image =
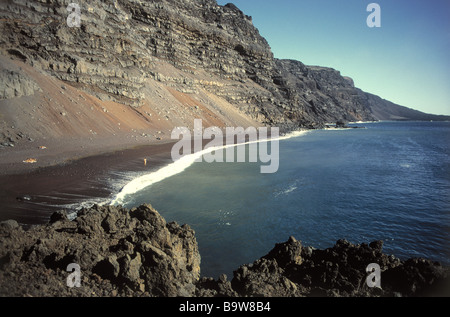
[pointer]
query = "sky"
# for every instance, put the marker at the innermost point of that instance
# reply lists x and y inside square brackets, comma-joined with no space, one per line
[406,60]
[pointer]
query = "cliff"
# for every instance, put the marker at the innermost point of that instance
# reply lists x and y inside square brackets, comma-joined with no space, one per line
[147,66]
[136,252]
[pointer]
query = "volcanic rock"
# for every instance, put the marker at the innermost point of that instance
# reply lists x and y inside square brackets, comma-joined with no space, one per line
[135,252]
[140,256]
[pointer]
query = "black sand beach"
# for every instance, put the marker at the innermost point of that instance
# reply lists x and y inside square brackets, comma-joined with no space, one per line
[30,197]
[30,194]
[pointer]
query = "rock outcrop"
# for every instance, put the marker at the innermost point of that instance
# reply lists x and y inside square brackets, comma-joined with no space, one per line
[135,252]
[293,270]
[119,252]
[15,84]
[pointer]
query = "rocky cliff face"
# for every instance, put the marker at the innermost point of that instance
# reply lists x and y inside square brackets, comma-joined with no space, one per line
[121,44]
[136,252]
[320,94]
[125,50]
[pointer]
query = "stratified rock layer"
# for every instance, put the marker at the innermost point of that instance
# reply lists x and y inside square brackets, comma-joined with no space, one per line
[135,252]
[123,49]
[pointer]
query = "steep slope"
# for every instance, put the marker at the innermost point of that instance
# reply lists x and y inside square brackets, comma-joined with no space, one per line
[385,110]
[122,44]
[38,110]
[321,94]
[136,69]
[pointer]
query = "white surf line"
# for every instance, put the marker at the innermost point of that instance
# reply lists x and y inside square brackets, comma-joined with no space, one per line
[358,122]
[180,165]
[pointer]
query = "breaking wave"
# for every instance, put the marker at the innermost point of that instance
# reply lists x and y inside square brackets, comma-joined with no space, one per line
[179,166]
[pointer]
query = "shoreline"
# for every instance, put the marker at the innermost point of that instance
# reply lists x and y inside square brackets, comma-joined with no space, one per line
[31,196]
[30,193]
[51,249]
[186,161]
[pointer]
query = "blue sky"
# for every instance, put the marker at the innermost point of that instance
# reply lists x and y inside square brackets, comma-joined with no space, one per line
[406,60]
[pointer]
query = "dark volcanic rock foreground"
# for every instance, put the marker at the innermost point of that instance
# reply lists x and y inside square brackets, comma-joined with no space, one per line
[136,252]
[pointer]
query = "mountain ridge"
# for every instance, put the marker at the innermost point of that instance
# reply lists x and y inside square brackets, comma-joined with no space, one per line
[164,62]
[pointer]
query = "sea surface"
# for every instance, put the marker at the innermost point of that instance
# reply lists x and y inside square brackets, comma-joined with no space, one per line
[389,181]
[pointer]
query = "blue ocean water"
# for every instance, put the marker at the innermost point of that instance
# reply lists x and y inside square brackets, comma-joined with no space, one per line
[389,181]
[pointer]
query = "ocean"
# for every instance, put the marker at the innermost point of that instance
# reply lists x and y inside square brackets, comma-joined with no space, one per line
[389,181]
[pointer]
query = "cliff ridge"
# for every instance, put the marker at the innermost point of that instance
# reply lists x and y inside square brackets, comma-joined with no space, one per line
[160,64]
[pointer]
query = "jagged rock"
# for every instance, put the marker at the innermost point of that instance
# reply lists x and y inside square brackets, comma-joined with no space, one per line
[136,254]
[130,268]
[60,215]
[142,255]
[208,287]
[288,253]
[418,277]
[264,278]
[341,124]
[338,271]
[9,224]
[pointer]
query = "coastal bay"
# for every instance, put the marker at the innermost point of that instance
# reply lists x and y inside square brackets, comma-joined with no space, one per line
[89,184]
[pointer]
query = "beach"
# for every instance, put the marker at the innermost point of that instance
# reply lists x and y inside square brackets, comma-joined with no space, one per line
[30,193]
[68,175]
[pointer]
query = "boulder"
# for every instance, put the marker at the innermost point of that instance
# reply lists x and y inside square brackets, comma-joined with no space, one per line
[119,252]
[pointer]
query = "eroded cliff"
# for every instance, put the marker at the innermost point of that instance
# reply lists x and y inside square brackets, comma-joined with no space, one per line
[169,61]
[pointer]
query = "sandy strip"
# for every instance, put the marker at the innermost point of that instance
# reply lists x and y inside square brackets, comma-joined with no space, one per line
[30,197]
